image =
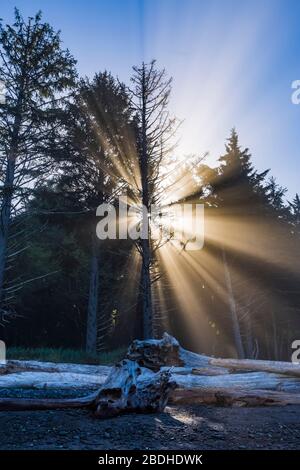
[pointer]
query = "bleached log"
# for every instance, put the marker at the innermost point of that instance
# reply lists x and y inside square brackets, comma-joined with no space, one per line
[13,366]
[245,381]
[277,367]
[196,371]
[227,397]
[51,380]
[183,377]
[24,404]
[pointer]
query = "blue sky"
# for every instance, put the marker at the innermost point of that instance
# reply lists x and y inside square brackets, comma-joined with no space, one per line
[232,61]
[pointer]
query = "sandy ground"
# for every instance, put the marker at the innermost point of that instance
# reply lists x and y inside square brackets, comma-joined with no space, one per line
[180,427]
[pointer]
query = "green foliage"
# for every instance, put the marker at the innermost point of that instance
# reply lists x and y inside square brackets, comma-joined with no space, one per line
[74,356]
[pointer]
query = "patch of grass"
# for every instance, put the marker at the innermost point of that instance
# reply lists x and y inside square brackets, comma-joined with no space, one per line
[74,356]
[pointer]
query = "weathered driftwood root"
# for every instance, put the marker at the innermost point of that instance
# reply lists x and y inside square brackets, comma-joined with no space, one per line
[155,353]
[127,389]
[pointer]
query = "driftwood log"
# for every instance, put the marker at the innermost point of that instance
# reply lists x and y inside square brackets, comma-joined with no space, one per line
[157,370]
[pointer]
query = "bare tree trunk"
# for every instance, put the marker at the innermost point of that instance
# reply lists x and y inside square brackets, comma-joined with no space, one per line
[150,99]
[8,192]
[249,346]
[5,219]
[147,310]
[248,339]
[275,337]
[91,329]
[232,308]
[146,292]
[7,199]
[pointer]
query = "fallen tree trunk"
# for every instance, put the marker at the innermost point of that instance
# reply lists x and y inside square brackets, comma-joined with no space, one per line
[13,366]
[245,381]
[24,404]
[52,380]
[184,362]
[227,397]
[276,367]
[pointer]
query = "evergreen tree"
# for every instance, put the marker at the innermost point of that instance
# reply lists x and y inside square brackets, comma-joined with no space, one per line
[236,192]
[295,210]
[37,73]
[237,183]
[96,168]
[276,204]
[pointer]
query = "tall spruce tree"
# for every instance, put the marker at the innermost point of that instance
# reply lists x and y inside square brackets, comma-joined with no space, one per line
[37,73]
[295,210]
[239,196]
[96,168]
